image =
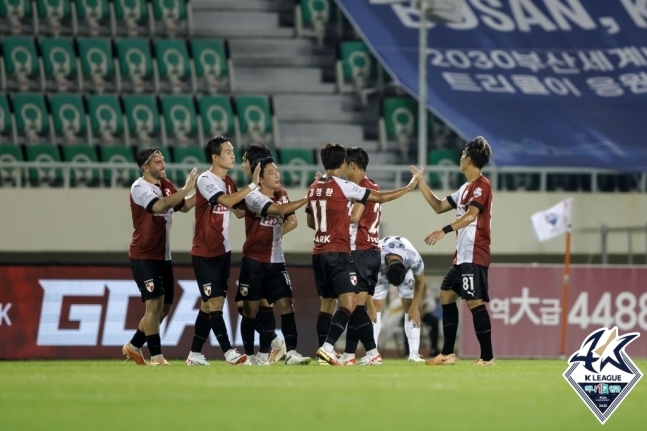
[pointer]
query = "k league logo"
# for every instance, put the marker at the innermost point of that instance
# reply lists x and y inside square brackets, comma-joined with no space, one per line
[601,372]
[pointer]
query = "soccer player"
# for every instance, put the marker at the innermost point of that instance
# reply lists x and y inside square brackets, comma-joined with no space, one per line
[365,251]
[153,200]
[263,273]
[329,205]
[402,266]
[467,277]
[211,251]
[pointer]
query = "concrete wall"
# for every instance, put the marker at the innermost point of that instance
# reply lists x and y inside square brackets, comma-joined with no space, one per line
[98,220]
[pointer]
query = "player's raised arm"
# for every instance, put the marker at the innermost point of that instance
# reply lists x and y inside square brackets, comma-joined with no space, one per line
[166,203]
[230,200]
[383,197]
[439,205]
[285,209]
[289,224]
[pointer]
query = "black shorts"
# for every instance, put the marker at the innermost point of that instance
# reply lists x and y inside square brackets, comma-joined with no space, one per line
[367,266]
[468,280]
[261,280]
[212,275]
[149,276]
[334,274]
[168,281]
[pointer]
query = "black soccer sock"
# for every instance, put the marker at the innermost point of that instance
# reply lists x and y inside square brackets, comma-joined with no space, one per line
[154,344]
[268,325]
[139,339]
[364,328]
[247,334]
[289,329]
[483,330]
[219,330]
[338,324]
[258,323]
[352,336]
[323,324]
[450,327]
[201,331]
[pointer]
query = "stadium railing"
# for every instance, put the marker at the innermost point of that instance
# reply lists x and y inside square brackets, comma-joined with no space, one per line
[20,172]
[604,232]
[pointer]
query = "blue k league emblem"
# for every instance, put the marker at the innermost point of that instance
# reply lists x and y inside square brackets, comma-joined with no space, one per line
[601,372]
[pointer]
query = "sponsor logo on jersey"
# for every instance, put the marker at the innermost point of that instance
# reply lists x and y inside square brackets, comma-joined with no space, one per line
[207,289]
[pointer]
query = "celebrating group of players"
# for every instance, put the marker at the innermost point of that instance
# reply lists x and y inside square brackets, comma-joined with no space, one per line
[352,267]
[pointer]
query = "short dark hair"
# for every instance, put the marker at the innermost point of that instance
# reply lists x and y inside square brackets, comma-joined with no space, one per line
[144,155]
[255,152]
[264,162]
[332,155]
[479,151]
[214,146]
[357,155]
[395,272]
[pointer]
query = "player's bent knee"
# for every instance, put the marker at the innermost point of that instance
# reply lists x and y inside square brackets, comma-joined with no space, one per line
[216,304]
[285,305]
[250,308]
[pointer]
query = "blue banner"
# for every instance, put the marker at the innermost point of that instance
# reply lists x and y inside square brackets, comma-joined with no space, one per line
[547,82]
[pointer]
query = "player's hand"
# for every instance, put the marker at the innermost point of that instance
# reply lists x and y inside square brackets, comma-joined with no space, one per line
[417,175]
[256,176]
[434,237]
[414,315]
[318,176]
[191,179]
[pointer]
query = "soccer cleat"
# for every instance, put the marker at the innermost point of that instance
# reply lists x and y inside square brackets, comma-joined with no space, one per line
[196,359]
[254,360]
[442,360]
[330,357]
[277,353]
[232,357]
[482,362]
[371,360]
[295,358]
[347,359]
[322,362]
[415,357]
[133,354]
[159,360]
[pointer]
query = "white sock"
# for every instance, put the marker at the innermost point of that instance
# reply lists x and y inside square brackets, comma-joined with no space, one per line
[276,342]
[137,349]
[262,356]
[377,327]
[156,356]
[195,353]
[328,347]
[371,353]
[413,335]
[347,356]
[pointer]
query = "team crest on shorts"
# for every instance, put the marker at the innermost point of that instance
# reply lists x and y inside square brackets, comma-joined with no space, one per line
[353,279]
[207,289]
[150,285]
[244,290]
[601,372]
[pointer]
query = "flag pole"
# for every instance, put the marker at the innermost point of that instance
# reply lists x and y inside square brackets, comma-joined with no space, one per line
[566,280]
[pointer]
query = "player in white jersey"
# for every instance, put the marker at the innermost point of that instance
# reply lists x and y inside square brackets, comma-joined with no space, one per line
[467,278]
[403,267]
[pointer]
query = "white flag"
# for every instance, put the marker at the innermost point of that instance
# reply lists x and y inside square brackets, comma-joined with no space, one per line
[552,222]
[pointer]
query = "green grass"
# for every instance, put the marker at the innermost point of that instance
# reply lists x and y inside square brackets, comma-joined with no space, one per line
[109,395]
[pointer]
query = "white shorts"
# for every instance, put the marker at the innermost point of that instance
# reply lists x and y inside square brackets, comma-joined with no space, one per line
[405,290]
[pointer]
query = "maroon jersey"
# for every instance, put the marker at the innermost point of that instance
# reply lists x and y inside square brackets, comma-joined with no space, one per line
[264,231]
[473,241]
[152,236]
[211,237]
[330,202]
[365,234]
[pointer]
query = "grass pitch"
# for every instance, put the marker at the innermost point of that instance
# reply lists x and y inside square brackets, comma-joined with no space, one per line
[109,395]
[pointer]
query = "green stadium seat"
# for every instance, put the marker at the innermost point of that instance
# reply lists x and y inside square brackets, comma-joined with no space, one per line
[55,17]
[444,157]
[97,64]
[81,154]
[296,157]
[32,119]
[70,121]
[6,126]
[398,122]
[174,68]
[61,65]
[9,154]
[212,64]
[356,65]
[189,155]
[172,14]
[16,17]
[135,64]
[45,175]
[180,119]
[143,119]
[22,65]
[132,17]
[94,16]
[217,117]
[106,119]
[123,176]
[315,14]
[257,124]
